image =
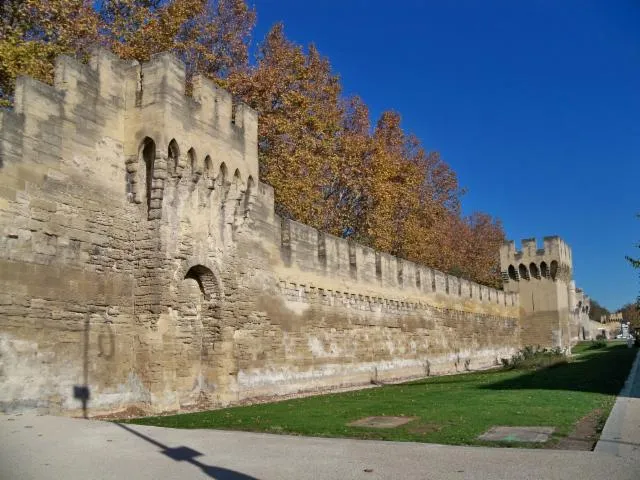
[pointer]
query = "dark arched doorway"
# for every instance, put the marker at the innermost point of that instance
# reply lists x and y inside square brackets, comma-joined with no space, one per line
[199,300]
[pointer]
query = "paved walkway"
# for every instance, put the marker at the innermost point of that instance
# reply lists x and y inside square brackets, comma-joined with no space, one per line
[621,433]
[43,447]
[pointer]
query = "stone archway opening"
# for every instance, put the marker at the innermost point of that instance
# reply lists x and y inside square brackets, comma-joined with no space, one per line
[173,158]
[148,157]
[198,333]
[200,311]
[544,270]
[208,286]
[534,271]
[513,274]
[523,272]
[553,270]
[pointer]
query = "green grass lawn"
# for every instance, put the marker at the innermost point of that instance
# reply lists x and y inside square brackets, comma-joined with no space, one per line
[451,409]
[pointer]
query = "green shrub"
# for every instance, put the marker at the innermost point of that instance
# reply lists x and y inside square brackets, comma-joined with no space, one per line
[598,343]
[534,358]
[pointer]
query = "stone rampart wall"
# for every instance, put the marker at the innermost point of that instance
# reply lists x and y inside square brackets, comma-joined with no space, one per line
[140,256]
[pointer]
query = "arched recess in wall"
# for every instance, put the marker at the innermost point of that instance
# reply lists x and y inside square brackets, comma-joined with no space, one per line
[207,281]
[533,270]
[544,270]
[513,275]
[236,182]
[208,173]
[241,198]
[222,183]
[194,167]
[236,201]
[249,197]
[203,308]
[209,288]
[235,190]
[522,270]
[173,157]
[553,270]
[148,157]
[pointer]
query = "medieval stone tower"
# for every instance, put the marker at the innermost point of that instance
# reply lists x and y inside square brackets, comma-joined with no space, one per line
[543,278]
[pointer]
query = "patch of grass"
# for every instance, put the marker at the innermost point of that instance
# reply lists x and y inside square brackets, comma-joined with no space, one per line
[581,347]
[451,409]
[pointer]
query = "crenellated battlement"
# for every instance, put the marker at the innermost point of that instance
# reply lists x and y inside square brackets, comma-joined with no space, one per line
[553,246]
[133,102]
[140,112]
[305,249]
[209,121]
[552,261]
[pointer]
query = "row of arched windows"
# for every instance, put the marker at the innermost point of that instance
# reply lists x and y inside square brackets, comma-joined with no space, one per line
[524,272]
[196,169]
[584,308]
[154,176]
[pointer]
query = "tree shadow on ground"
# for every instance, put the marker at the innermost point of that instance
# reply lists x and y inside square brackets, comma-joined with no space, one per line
[186,454]
[603,371]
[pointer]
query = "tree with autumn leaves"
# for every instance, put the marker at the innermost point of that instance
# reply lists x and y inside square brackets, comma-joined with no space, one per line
[329,168]
[34,32]
[210,36]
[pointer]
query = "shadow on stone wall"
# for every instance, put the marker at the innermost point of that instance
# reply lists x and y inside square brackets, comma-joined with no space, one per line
[82,392]
[106,345]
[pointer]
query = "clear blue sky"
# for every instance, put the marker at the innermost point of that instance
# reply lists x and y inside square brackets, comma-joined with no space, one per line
[535,105]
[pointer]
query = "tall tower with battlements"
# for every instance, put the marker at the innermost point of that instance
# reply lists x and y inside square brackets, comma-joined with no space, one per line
[543,279]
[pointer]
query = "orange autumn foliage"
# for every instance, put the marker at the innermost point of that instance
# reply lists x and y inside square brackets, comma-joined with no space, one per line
[298,100]
[209,36]
[33,33]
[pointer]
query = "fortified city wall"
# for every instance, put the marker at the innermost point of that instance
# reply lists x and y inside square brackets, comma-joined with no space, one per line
[141,261]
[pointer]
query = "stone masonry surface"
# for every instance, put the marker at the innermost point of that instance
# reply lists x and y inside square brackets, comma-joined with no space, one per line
[141,257]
